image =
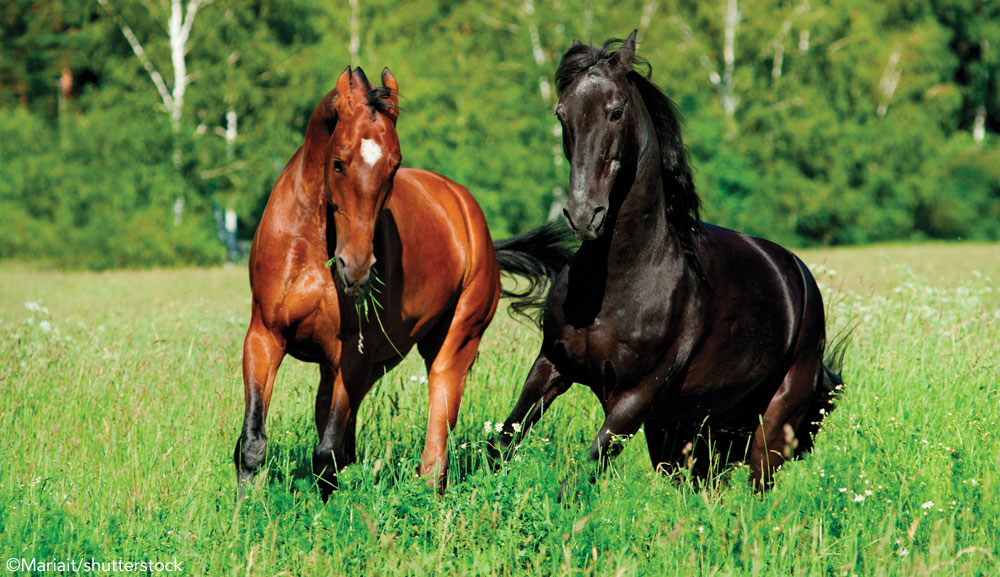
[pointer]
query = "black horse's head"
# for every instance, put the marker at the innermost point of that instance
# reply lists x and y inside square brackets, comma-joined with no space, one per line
[594,109]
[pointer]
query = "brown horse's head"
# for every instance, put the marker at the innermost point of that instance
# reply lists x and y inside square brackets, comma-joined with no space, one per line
[360,161]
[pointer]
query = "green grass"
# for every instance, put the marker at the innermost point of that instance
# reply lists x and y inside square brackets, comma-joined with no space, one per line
[121,399]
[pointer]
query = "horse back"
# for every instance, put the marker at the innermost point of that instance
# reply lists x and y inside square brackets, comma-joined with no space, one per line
[758,303]
[447,245]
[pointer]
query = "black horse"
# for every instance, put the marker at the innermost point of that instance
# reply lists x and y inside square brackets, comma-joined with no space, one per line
[675,324]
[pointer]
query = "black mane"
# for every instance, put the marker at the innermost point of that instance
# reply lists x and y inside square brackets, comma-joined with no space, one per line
[377,95]
[683,203]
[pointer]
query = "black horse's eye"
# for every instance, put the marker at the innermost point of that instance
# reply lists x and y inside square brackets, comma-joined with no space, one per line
[616,114]
[338,165]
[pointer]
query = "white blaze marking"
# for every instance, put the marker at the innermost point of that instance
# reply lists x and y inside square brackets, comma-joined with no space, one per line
[370,151]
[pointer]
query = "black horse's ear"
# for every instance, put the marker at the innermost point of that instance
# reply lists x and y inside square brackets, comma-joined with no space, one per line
[576,42]
[622,59]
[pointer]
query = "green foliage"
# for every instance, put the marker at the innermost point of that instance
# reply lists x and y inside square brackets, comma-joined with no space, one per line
[98,200]
[835,122]
[123,398]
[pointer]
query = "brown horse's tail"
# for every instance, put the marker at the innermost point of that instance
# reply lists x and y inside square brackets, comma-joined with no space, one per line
[830,387]
[536,256]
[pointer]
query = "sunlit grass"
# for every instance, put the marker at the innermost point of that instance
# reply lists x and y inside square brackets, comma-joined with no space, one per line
[122,399]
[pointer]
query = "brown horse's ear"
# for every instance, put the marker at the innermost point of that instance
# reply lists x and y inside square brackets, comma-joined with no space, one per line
[342,102]
[390,84]
[622,59]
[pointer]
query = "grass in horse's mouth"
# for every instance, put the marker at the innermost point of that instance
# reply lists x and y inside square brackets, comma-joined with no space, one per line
[370,292]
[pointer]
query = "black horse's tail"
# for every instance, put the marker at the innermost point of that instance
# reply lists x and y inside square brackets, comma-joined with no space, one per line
[537,256]
[830,387]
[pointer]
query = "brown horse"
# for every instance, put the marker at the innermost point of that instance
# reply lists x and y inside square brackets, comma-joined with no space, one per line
[414,240]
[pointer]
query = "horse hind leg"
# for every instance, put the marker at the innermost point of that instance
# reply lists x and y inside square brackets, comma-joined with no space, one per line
[775,439]
[821,405]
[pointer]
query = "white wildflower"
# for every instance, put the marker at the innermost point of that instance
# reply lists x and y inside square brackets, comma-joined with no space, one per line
[36,307]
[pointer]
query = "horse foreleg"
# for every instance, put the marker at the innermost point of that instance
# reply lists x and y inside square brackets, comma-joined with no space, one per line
[324,397]
[336,448]
[263,351]
[543,385]
[623,417]
[774,441]
[679,445]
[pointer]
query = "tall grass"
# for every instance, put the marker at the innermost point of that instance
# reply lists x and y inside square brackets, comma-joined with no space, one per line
[121,399]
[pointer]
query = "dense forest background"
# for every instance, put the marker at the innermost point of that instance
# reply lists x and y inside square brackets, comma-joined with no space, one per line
[130,129]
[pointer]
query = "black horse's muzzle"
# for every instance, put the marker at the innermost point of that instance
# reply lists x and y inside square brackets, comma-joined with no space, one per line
[588,223]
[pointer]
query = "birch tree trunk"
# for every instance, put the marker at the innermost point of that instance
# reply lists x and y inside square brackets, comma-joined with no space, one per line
[545,91]
[355,22]
[178,29]
[723,83]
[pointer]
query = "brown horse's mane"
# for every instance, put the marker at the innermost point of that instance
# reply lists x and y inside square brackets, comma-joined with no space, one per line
[682,203]
[378,96]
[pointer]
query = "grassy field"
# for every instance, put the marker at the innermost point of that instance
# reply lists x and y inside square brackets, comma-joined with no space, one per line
[121,398]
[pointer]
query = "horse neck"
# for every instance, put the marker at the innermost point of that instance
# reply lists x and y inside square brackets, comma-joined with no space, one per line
[641,234]
[307,178]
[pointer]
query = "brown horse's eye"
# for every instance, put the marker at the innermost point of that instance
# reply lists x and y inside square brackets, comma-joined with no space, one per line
[338,165]
[616,114]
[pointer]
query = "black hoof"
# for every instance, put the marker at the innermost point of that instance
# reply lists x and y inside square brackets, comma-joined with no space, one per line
[325,471]
[501,448]
[248,457]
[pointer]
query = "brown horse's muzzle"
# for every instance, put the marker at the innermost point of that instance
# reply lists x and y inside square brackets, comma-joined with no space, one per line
[354,272]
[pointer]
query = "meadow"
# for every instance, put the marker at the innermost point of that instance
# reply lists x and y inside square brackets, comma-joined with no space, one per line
[121,399]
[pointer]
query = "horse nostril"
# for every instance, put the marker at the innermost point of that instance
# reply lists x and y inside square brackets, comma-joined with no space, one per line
[597,215]
[341,264]
[569,220]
